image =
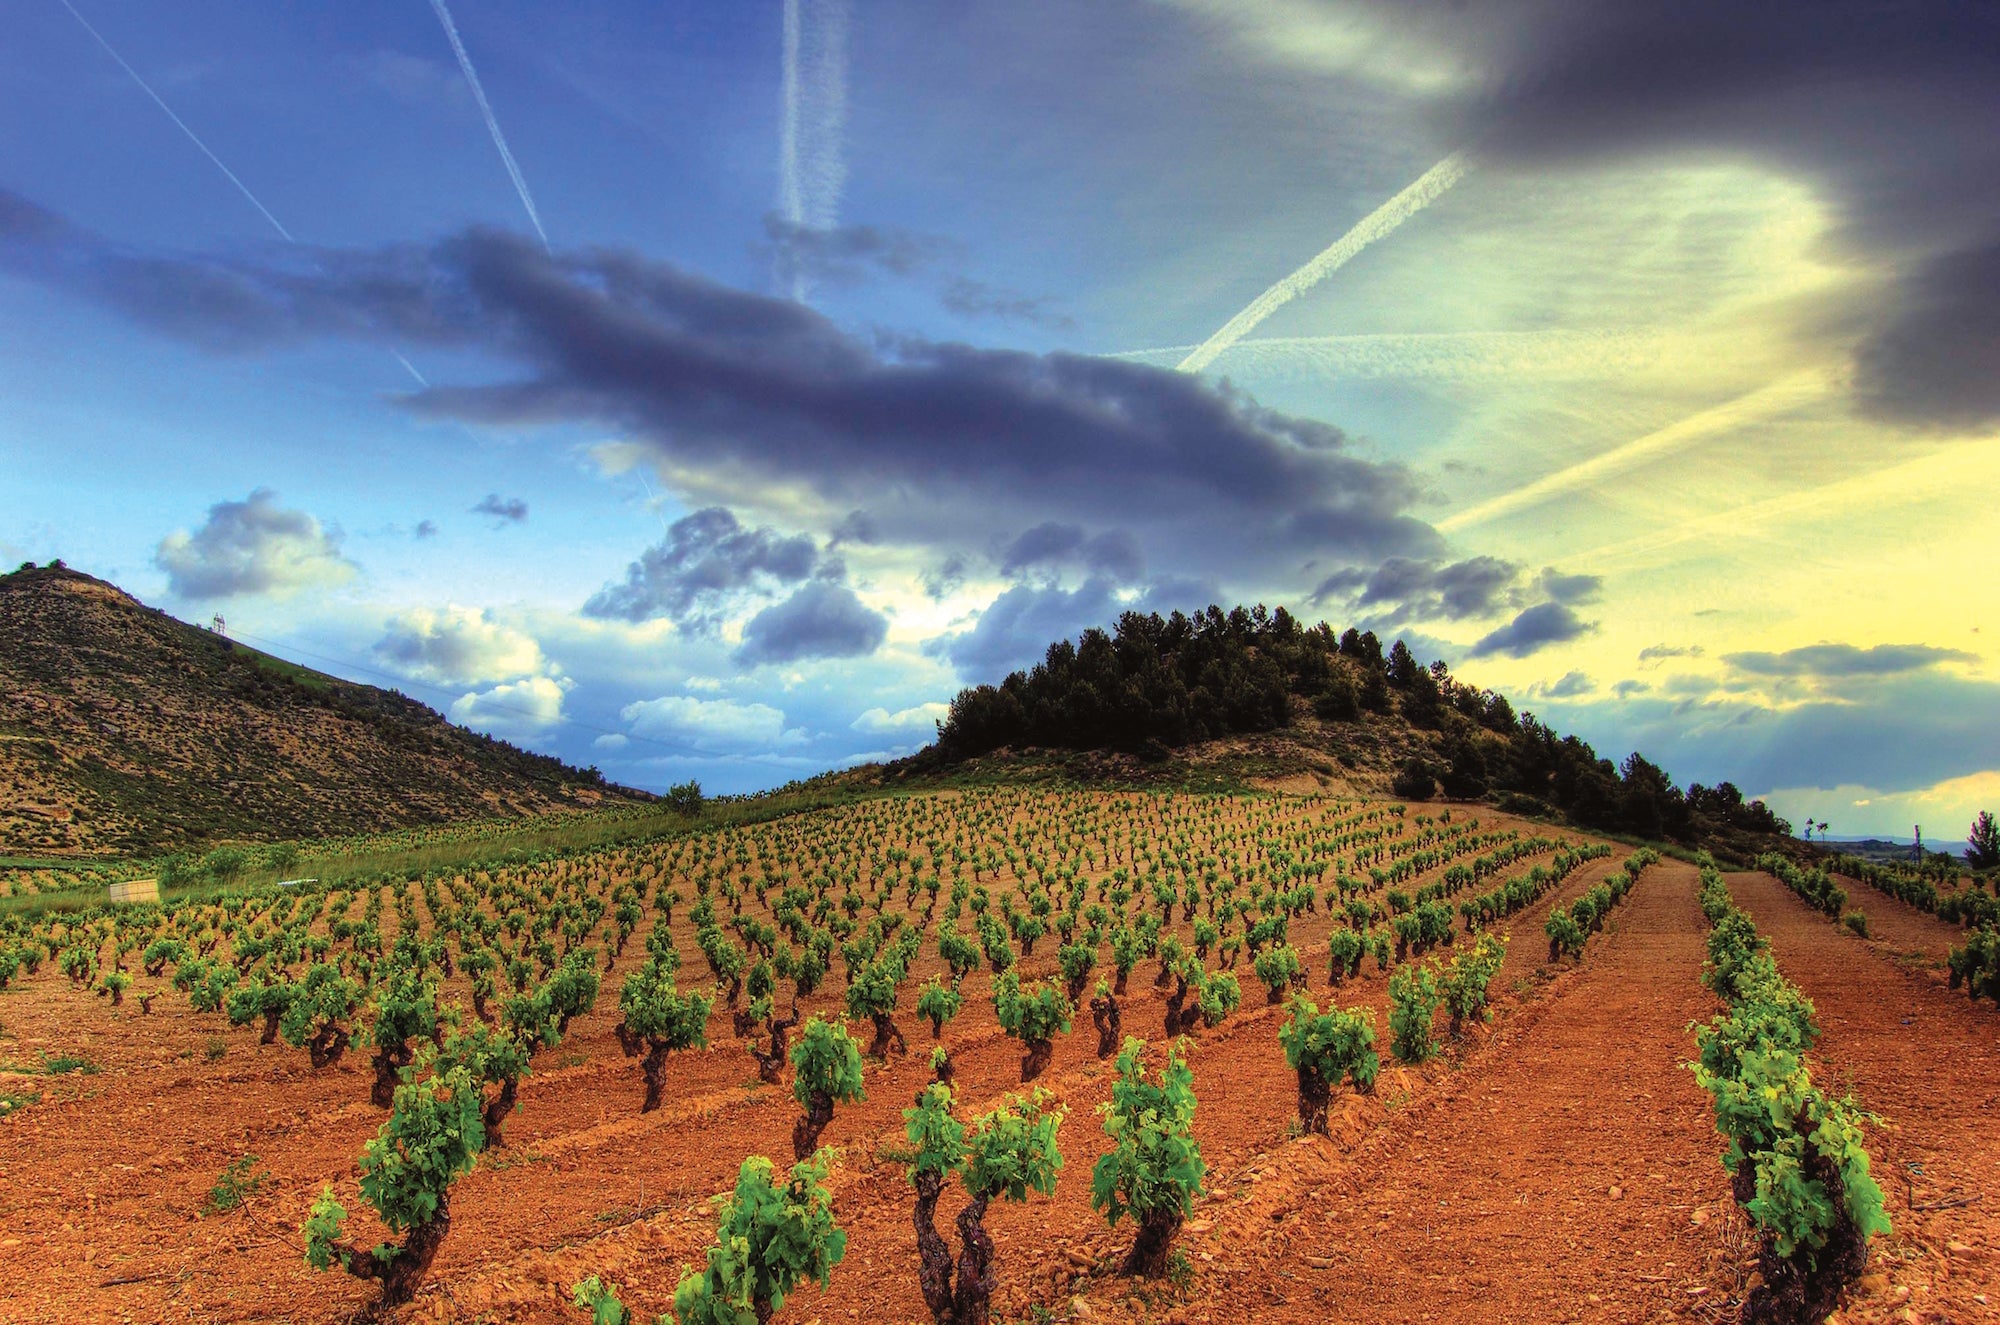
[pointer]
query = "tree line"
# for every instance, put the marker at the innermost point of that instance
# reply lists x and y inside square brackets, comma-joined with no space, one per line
[1154,684]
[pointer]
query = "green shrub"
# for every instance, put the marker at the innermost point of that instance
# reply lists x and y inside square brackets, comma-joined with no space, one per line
[1154,1169]
[770,1239]
[1324,1048]
[1413,1004]
[432,1138]
[826,1064]
[1008,1154]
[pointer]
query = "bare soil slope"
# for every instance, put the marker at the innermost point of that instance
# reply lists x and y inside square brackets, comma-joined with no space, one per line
[123,729]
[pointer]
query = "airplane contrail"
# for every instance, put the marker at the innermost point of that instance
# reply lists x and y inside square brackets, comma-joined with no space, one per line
[1766,402]
[812,164]
[1442,355]
[180,123]
[1421,193]
[208,152]
[492,123]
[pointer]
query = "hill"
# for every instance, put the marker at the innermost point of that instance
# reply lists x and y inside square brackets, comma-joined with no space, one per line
[1255,695]
[125,730]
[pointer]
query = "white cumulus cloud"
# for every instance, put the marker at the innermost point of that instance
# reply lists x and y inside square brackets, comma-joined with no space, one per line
[710,724]
[459,646]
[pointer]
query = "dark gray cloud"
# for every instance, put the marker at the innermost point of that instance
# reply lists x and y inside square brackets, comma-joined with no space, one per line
[1569,685]
[1532,630]
[507,510]
[946,578]
[1572,589]
[1408,587]
[254,546]
[946,445]
[847,255]
[1840,661]
[1892,112]
[706,561]
[822,620]
[1423,589]
[426,529]
[1658,653]
[1050,545]
[857,527]
[1016,628]
[970,298]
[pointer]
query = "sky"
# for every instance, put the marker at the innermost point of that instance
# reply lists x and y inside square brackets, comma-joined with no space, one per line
[703,390]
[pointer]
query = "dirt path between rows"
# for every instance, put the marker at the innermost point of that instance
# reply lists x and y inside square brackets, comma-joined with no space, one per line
[1928,1062]
[1561,1179]
[1912,939]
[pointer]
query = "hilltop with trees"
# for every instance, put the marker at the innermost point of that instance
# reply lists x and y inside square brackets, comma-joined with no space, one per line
[1179,689]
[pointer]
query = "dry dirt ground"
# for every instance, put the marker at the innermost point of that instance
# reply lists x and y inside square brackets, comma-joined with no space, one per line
[1559,1165]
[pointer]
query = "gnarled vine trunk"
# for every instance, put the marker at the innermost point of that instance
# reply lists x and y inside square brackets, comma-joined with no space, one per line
[1036,1060]
[1148,1258]
[1178,1020]
[971,1301]
[496,1112]
[1797,1291]
[805,1132]
[389,1061]
[326,1047]
[1314,1093]
[1105,1016]
[403,1273]
[885,1031]
[270,1035]
[933,1255]
[654,1067]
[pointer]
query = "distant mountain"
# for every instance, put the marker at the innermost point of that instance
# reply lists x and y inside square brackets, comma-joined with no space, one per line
[125,730]
[1257,695]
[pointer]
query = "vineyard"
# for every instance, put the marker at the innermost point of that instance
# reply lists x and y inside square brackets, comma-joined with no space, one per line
[1010,1055]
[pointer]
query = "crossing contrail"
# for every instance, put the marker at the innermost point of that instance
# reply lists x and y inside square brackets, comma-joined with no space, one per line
[812,162]
[206,151]
[1441,355]
[1780,397]
[1420,194]
[492,124]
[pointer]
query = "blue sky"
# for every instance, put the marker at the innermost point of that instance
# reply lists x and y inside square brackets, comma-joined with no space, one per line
[850,371]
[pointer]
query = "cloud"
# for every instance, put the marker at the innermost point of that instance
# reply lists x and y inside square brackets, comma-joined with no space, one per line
[709,724]
[703,565]
[921,720]
[1838,661]
[970,298]
[426,529]
[822,620]
[511,510]
[1572,589]
[251,547]
[530,705]
[1659,653]
[1568,686]
[458,646]
[1113,553]
[1017,628]
[846,255]
[946,445]
[1534,629]
[1410,589]
[944,579]
[1886,109]
[1421,590]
